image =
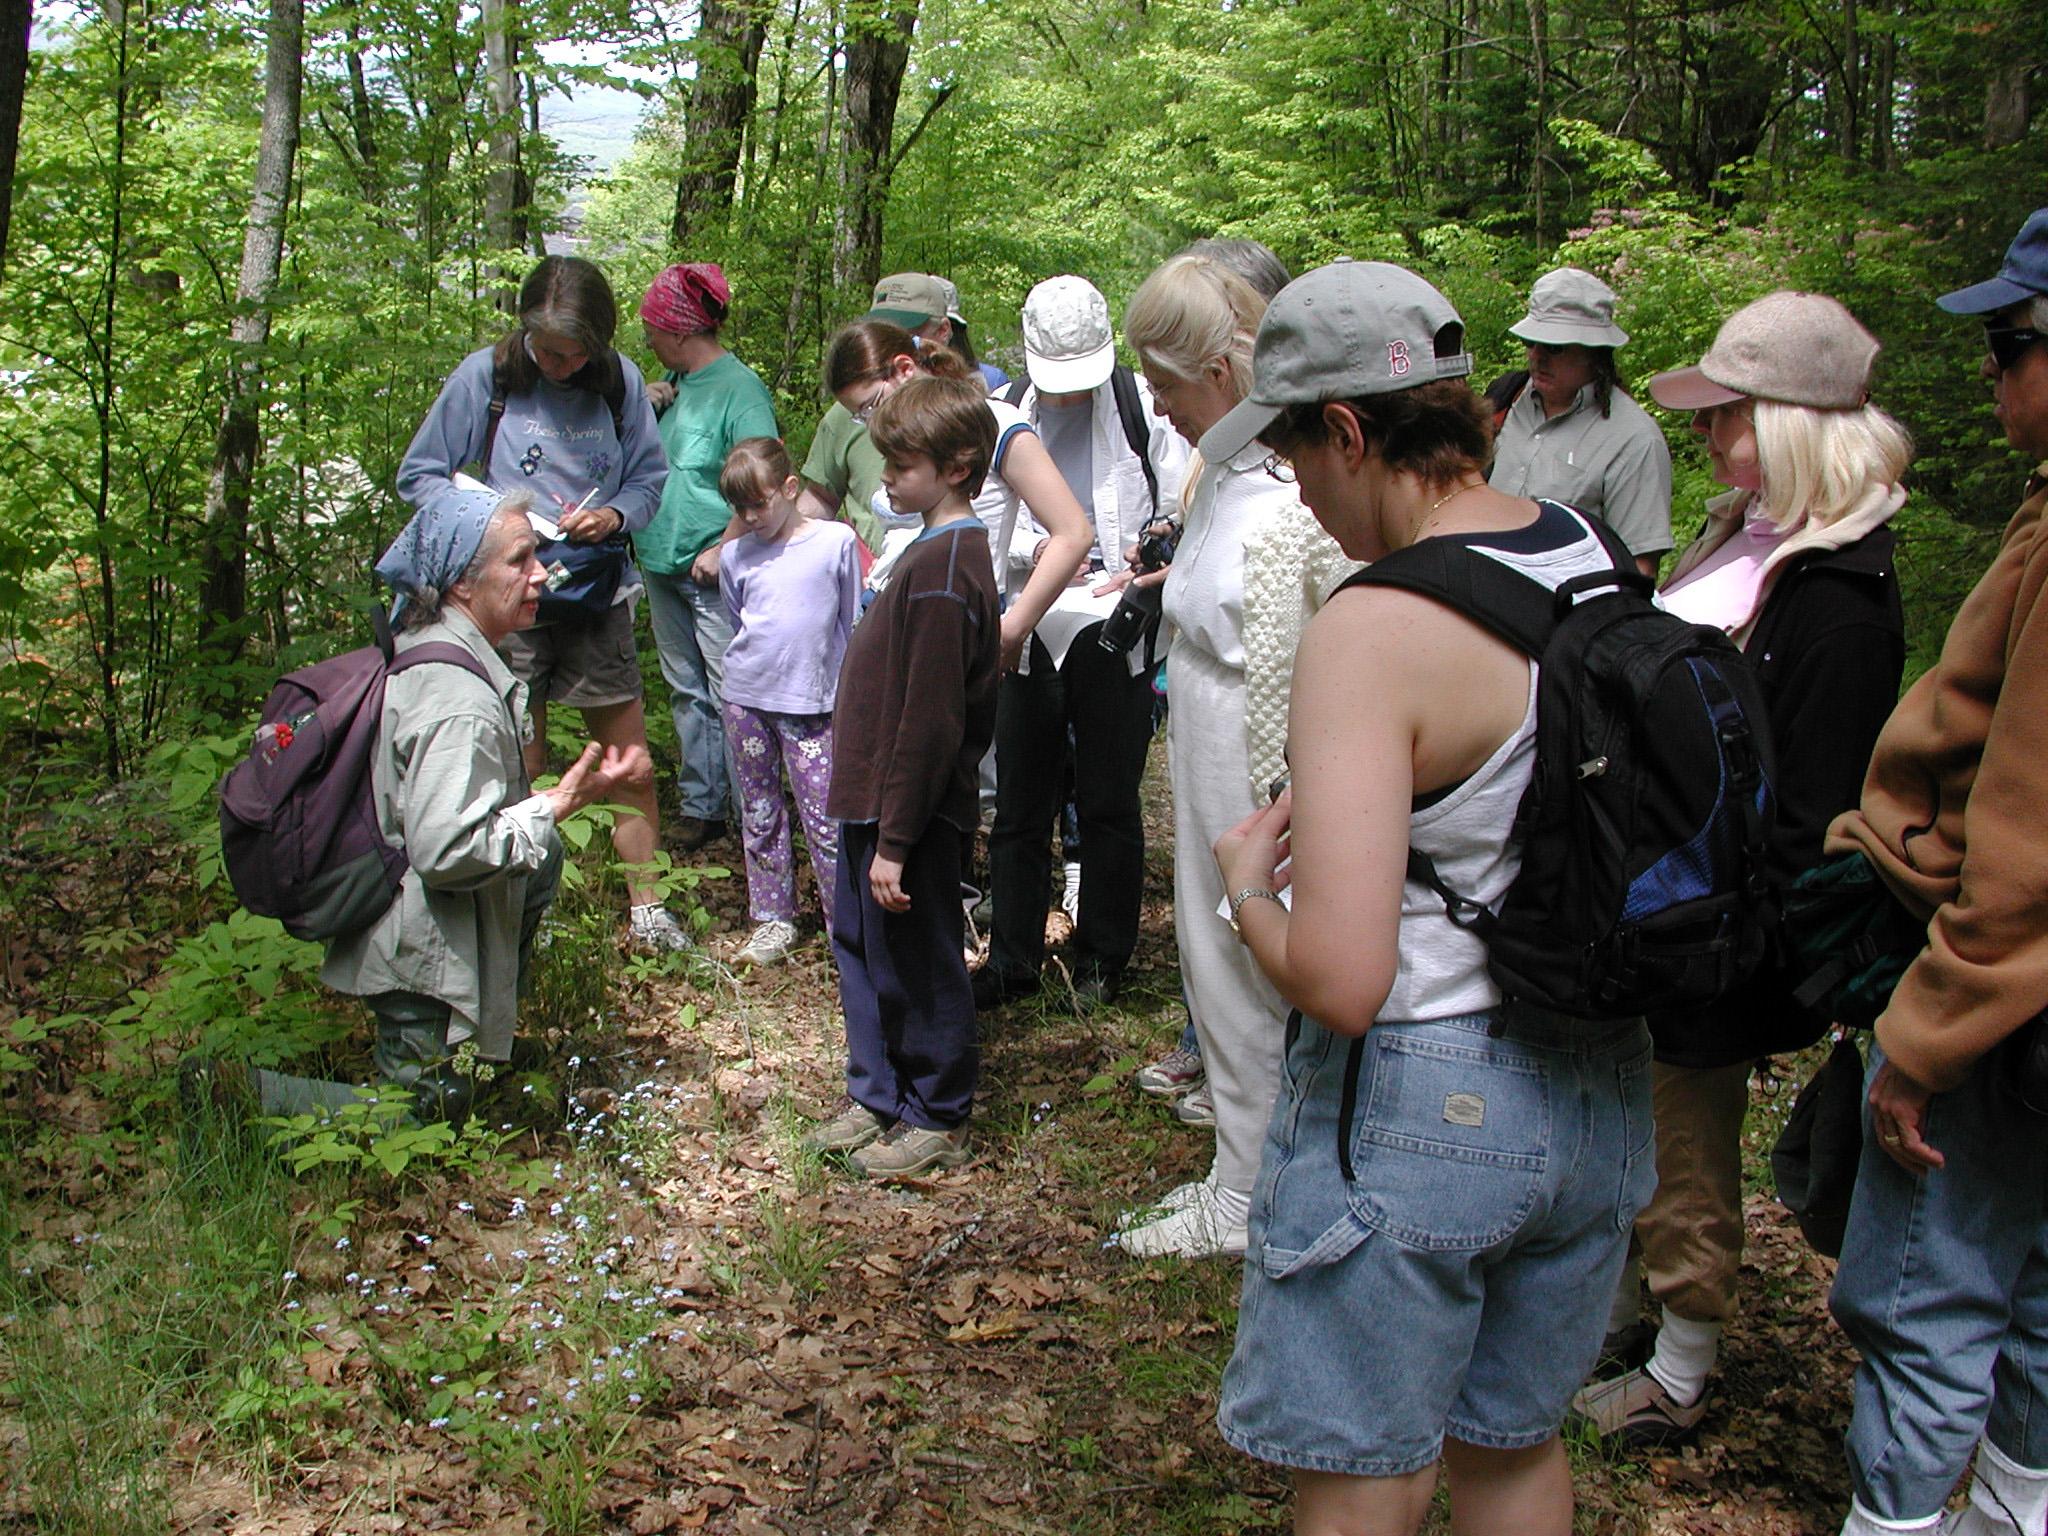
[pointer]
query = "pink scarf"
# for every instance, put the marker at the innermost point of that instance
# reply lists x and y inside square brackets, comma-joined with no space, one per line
[677,299]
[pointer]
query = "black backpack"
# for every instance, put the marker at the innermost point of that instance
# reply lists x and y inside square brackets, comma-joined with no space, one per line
[1645,824]
[1130,410]
[298,821]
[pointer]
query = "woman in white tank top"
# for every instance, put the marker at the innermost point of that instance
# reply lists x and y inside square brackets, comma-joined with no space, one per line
[1444,1192]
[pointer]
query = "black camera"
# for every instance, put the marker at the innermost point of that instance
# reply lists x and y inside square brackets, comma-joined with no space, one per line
[1138,609]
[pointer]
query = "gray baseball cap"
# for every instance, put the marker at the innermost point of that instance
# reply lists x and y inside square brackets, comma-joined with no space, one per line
[1348,329]
[1568,306]
[1795,348]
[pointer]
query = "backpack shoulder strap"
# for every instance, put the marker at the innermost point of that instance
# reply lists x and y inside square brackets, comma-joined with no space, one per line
[1517,608]
[1130,409]
[1013,392]
[444,651]
[614,393]
[493,414]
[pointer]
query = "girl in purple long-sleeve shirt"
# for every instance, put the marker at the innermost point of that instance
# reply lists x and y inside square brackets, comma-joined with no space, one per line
[793,587]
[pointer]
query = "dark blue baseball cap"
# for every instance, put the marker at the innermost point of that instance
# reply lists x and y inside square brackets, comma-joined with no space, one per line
[2024,275]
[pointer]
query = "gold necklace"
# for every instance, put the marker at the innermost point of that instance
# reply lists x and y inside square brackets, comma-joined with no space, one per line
[1449,496]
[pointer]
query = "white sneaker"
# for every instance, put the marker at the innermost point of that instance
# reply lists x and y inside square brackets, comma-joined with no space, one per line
[771,944]
[1070,894]
[1196,1108]
[1179,1198]
[657,931]
[1211,1225]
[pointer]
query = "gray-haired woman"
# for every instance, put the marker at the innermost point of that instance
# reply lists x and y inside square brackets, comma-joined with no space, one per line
[440,969]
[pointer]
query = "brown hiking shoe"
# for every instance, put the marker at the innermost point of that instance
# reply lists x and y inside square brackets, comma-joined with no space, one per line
[1635,1411]
[904,1151]
[848,1131]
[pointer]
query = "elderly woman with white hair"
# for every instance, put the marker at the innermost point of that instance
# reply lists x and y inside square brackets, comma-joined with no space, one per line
[1251,566]
[440,970]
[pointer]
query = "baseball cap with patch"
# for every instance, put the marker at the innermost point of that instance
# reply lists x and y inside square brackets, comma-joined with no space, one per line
[1344,330]
[909,299]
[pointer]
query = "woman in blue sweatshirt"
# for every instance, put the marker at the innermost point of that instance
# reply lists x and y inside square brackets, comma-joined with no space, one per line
[554,410]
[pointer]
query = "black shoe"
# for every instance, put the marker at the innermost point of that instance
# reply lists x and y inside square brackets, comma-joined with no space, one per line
[1097,988]
[1625,1350]
[992,988]
[695,832]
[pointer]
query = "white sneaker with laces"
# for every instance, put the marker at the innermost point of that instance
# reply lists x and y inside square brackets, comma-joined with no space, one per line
[771,944]
[656,930]
[1212,1225]
[1070,893]
[1179,1198]
[1196,1108]
[1178,1071]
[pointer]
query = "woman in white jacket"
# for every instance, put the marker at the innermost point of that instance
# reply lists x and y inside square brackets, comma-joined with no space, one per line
[1251,566]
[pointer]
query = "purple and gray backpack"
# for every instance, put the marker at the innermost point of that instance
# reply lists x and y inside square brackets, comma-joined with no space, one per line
[298,820]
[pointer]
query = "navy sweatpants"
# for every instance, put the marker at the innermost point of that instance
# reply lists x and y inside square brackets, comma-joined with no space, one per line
[910,1044]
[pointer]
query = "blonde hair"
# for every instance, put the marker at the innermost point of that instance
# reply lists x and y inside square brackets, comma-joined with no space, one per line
[1193,311]
[1820,463]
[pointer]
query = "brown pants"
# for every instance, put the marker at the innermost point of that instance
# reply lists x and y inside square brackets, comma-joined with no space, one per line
[1690,1234]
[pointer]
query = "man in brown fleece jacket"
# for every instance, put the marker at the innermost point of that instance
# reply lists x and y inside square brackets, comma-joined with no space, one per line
[1944,1279]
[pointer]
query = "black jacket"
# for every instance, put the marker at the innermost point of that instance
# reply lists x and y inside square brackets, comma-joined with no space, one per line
[1829,650]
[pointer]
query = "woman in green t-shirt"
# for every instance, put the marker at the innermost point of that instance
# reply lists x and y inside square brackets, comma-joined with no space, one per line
[709,402]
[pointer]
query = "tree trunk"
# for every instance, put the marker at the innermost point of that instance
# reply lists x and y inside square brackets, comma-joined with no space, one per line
[1539,88]
[1850,124]
[224,554]
[877,53]
[504,189]
[2008,102]
[14,24]
[728,53]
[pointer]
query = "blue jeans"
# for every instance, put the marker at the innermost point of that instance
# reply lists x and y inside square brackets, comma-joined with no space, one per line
[1943,1289]
[691,631]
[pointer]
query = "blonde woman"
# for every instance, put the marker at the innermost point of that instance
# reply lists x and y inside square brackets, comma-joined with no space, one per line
[1250,568]
[1796,564]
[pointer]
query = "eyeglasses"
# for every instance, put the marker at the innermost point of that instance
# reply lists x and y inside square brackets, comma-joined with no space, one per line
[1549,348]
[860,413]
[2009,343]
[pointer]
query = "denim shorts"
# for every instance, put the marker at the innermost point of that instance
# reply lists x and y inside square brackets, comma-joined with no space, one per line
[1445,1268]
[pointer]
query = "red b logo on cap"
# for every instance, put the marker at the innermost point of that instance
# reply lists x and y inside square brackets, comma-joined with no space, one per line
[1397,358]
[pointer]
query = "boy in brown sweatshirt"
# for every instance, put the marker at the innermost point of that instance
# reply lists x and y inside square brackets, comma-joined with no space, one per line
[1944,1280]
[916,711]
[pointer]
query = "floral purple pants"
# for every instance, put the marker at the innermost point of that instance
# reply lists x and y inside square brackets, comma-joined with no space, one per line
[762,745]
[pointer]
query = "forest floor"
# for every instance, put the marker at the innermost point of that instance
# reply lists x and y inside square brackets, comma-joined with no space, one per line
[652,1311]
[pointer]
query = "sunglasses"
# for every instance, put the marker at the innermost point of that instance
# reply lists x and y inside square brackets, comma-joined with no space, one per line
[1549,348]
[2009,343]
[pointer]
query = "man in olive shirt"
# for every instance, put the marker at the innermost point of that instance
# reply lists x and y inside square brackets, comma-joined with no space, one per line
[1573,435]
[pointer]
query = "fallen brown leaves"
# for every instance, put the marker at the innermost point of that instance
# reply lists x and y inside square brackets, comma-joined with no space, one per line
[812,1354]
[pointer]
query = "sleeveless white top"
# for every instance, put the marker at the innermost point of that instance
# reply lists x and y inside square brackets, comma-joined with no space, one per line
[1442,971]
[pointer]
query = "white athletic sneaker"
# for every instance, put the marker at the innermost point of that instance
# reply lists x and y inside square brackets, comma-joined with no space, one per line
[770,945]
[1179,1198]
[656,930]
[1196,1108]
[1211,1225]
[1070,893]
